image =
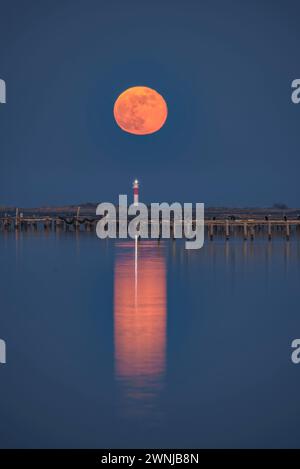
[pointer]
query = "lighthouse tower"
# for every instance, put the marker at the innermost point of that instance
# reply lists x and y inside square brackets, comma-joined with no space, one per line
[136,192]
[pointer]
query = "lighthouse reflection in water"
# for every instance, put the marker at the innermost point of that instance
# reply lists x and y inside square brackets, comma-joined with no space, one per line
[140,316]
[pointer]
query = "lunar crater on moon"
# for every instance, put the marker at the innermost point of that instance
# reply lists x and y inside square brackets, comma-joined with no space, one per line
[140,110]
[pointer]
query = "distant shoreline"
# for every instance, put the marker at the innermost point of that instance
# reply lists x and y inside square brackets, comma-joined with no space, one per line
[276,212]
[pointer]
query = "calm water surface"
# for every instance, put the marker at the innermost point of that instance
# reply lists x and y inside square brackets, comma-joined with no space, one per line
[118,344]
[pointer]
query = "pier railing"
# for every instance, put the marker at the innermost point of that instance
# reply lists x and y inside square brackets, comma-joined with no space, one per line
[247,228]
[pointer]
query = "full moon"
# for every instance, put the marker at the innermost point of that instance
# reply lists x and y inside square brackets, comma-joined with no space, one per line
[140,110]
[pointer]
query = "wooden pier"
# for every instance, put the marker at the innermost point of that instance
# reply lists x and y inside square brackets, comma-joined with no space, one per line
[247,229]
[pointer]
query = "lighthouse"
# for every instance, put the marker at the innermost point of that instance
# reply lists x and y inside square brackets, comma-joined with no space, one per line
[136,192]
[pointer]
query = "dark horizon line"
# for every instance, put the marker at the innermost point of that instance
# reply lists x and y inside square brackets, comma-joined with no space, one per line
[91,205]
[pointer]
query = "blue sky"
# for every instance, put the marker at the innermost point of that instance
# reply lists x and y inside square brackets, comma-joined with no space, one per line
[224,67]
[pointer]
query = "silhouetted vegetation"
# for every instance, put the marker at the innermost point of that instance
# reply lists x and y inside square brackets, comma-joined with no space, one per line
[280,206]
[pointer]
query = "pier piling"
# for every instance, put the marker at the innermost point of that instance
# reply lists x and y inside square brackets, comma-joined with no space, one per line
[227,230]
[245,226]
[269,231]
[287,230]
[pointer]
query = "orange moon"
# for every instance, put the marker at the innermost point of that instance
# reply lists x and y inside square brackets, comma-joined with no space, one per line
[140,110]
